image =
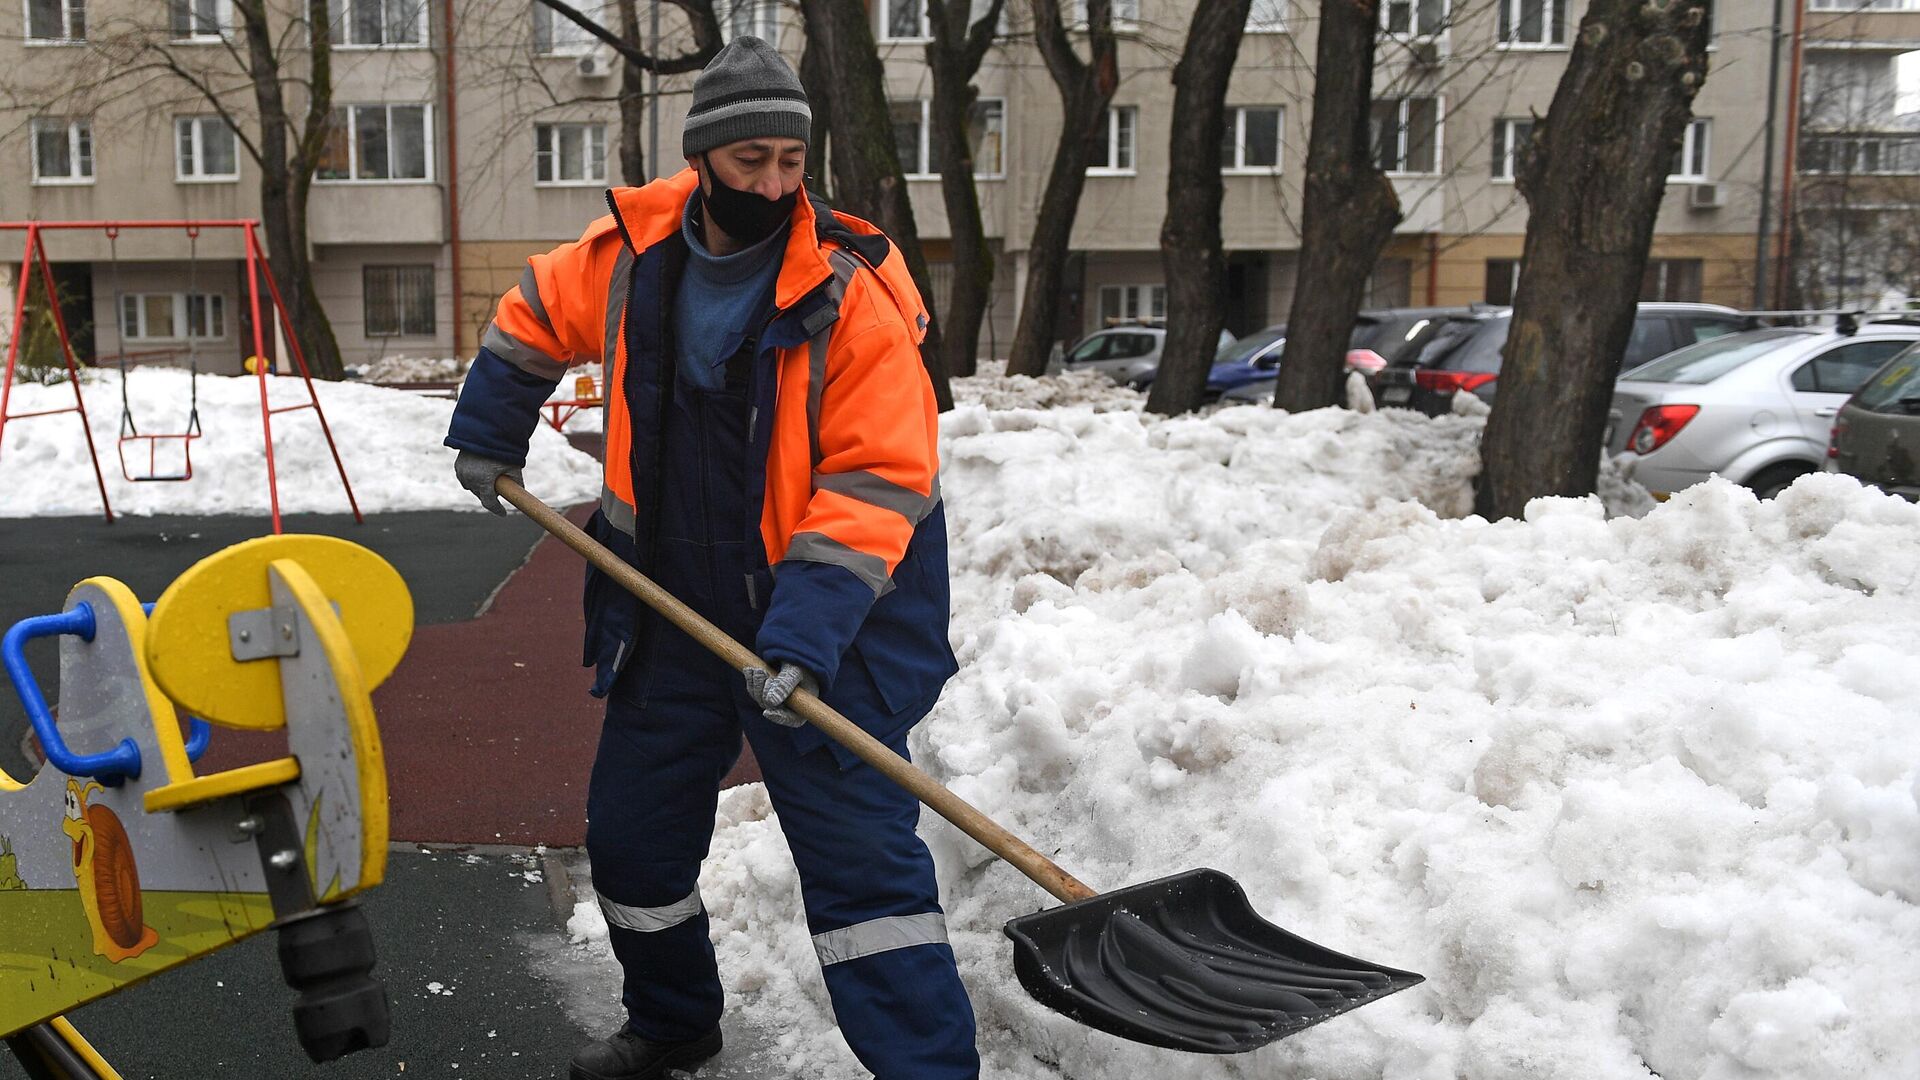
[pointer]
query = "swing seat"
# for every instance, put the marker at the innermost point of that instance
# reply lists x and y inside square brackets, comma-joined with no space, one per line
[129,463]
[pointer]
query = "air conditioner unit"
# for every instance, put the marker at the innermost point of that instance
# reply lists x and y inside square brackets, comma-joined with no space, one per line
[1425,53]
[596,65]
[1706,197]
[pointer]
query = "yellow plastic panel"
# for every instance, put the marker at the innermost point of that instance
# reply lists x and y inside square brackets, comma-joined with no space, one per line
[191,657]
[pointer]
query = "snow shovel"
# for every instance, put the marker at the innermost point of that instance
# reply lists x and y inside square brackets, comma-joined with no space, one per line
[1182,962]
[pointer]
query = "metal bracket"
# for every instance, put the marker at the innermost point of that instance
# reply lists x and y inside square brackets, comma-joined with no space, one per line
[264,632]
[270,823]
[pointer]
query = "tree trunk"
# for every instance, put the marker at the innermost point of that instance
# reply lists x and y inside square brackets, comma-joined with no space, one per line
[817,79]
[286,176]
[1086,88]
[954,56]
[867,176]
[1347,213]
[633,102]
[1593,177]
[1191,249]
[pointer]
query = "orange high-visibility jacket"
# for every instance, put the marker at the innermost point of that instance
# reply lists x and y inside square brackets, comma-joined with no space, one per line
[844,428]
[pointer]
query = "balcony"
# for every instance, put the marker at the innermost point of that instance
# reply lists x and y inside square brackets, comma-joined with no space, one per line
[1860,153]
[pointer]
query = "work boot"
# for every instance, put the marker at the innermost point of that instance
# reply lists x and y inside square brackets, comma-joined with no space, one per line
[626,1056]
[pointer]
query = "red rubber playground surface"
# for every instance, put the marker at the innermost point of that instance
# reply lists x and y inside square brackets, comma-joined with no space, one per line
[488,728]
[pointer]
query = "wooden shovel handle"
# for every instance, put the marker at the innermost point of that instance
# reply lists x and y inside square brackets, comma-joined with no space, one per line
[836,727]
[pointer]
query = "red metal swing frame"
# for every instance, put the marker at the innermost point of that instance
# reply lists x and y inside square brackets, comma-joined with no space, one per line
[35,253]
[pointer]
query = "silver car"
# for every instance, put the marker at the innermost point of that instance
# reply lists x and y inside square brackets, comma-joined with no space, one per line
[1129,355]
[1755,407]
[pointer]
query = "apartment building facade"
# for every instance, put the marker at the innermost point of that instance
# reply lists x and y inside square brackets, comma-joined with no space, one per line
[471,133]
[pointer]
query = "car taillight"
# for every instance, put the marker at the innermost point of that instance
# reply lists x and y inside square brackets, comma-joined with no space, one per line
[1365,360]
[1659,424]
[1447,382]
[1833,437]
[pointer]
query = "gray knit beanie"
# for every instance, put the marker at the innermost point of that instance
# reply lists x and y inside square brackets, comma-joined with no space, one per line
[748,91]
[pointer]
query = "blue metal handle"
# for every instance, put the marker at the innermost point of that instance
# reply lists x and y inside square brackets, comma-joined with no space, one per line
[110,768]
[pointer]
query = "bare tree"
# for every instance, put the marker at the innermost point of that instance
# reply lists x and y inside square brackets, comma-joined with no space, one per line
[1086,88]
[1191,249]
[1593,176]
[1347,213]
[954,56]
[867,176]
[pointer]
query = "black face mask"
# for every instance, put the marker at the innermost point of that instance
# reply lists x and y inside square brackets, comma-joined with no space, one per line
[742,215]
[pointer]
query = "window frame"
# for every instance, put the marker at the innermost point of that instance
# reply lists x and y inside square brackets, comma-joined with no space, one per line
[553,126]
[433,302]
[1689,142]
[1404,144]
[1863,7]
[1413,17]
[224,22]
[761,14]
[67,10]
[182,306]
[1123,22]
[1132,168]
[587,43]
[1506,147]
[1513,9]
[883,33]
[353,143]
[1257,25]
[74,125]
[1144,293]
[199,123]
[343,28]
[1238,122]
[921,168]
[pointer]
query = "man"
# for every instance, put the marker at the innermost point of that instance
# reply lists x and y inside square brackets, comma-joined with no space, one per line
[771,460]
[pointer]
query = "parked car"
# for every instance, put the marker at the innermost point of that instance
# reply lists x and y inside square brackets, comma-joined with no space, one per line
[1756,407]
[1129,355]
[1876,437]
[1465,353]
[1379,337]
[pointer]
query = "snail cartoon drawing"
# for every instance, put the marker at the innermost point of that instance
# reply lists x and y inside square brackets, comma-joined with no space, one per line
[109,882]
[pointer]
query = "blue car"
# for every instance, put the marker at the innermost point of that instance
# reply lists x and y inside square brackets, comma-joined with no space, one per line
[1248,359]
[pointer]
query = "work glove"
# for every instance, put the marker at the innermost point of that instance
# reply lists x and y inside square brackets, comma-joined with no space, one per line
[772,690]
[476,473]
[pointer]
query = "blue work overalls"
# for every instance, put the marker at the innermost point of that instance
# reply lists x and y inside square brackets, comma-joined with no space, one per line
[675,716]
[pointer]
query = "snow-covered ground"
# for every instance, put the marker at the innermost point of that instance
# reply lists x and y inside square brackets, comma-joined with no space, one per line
[389,441]
[1634,793]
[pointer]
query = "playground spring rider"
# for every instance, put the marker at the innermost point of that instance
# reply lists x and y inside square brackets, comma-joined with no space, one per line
[121,862]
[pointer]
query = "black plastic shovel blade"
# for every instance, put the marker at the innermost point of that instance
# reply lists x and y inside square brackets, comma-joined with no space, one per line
[1185,962]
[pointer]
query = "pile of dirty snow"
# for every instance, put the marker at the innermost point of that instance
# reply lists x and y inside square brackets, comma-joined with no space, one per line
[389,441]
[411,369]
[995,389]
[1634,793]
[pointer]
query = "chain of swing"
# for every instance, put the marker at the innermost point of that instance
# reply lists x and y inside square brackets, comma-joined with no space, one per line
[130,433]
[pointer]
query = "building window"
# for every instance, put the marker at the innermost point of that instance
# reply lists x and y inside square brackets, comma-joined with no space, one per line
[920,155]
[1510,139]
[1406,136]
[1132,303]
[904,20]
[556,35]
[1114,155]
[373,24]
[378,142]
[1690,163]
[172,316]
[204,149]
[744,18]
[1413,18]
[1865,5]
[1503,280]
[1672,279]
[199,20]
[398,301]
[1533,22]
[566,154]
[1267,17]
[1126,15]
[1251,142]
[56,20]
[62,151]
[1870,155]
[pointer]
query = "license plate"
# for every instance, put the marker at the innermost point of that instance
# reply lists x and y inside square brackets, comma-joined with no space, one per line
[1394,395]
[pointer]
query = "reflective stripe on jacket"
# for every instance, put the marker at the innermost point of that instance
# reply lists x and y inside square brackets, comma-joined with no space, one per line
[843,461]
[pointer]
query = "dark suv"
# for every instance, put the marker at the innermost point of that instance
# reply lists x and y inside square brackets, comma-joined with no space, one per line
[1465,353]
[1876,437]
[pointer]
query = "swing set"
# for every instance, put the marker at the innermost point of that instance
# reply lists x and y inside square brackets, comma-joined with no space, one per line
[140,452]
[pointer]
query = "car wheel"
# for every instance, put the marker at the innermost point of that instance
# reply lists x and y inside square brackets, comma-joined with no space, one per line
[1775,479]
